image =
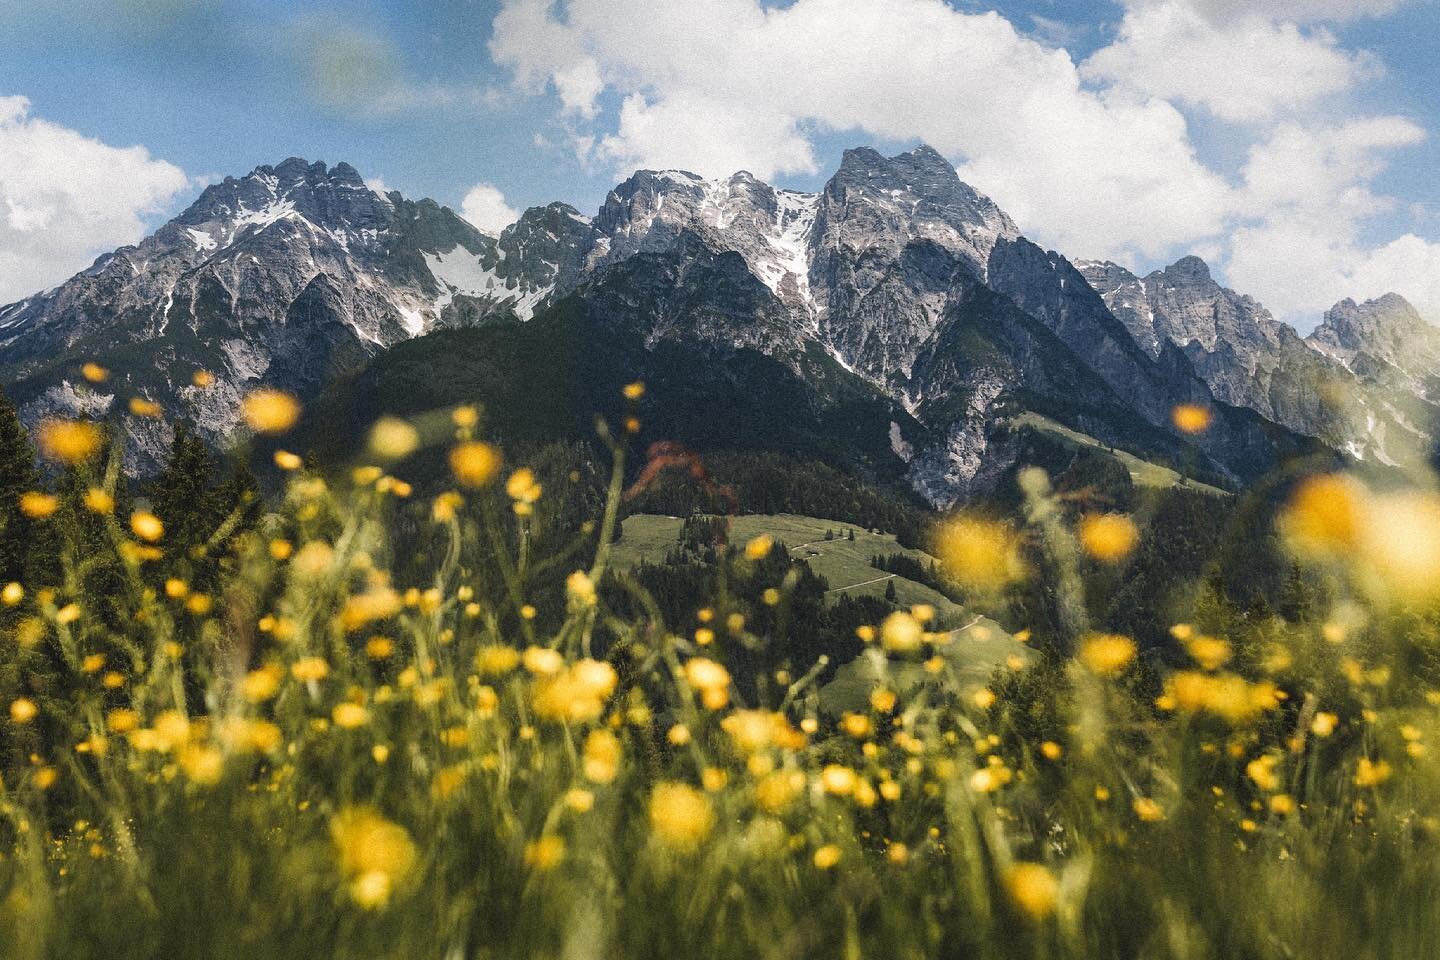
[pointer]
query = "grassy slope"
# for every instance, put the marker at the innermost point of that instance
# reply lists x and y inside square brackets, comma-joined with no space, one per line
[1144,473]
[844,564]
[978,648]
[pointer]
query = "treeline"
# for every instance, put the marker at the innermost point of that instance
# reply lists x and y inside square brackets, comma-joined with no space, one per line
[45,513]
[911,568]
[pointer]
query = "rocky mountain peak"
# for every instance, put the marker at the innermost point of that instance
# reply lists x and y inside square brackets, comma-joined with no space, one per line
[1188,270]
[1388,314]
[1379,334]
[922,178]
[898,272]
[329,198]
[1248,358]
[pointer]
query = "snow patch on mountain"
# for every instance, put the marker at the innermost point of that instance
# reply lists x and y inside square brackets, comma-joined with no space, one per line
[203,239]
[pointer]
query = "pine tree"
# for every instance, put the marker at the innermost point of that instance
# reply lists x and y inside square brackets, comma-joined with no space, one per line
[890,594]
[182,494]
[17,475]
[196,505]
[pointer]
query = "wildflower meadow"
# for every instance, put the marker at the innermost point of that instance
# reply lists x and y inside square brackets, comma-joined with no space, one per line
[354,713]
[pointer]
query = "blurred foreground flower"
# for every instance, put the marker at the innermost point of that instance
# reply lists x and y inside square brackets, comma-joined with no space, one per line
[1324,519]
[38,506]
[270,411]
[1108,537]
[374,854]
[1033,888]
[71,442]
[393,439]
[1106,654]
[1191,418]
[474,464]
[711,679]
[981,554]
[1226,695]
[146,526]
[680,815]
[1390,542]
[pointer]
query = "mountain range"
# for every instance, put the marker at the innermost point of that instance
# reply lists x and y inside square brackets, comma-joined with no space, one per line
[896,322]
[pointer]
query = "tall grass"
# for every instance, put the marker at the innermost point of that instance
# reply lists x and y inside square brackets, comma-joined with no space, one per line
[317,761]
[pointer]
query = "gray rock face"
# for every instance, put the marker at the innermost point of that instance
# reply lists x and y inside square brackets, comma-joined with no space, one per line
[895,240]
[1383,341]
[1250,359]
[1183,304]
[767,227]
[536,258]
[898,283]
[286,276]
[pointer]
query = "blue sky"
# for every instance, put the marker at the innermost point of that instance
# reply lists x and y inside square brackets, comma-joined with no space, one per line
[1291,142]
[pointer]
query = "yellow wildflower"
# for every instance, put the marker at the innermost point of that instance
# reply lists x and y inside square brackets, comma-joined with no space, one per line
[99,500]
[309,669]
[374,854]
[601,756]
[23,710]
[38,506]
[981,554]
[348,716]
[474,464]
[1106,654]
[393,439]
[580,590]
[901,633]
[759,547]
[71,442]
[1371,773]
[711,679]
[1191,418]
[270,411]
[1032,888]
[680,815]
[146,526]
[1108,537]
[1148,810]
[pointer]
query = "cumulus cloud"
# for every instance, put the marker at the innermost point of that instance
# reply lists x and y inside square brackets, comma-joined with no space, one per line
[1112,172]
[1311,191]
[1095,159]
[66,198]
[485,208]
[1294,11]
[1245,67]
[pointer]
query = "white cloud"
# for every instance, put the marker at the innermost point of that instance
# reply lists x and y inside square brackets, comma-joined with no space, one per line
[1095,160]
[1409,266]
[1312,197]
[1294,11]
[66,198]
[719,85]
[1242,68]
[485,208]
